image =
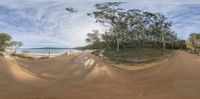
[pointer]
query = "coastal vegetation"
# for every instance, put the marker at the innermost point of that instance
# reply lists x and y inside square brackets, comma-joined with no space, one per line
[135,55]
[5,42]
[193,43]
[27,55]
[131,34]
[10,47]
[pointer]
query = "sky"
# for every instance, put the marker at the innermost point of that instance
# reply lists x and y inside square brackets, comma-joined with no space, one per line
[46,23]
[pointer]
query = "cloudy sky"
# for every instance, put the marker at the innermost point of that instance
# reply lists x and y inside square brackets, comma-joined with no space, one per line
[46,23]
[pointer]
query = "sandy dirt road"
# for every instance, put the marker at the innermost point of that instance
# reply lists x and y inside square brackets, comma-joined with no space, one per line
[84,76]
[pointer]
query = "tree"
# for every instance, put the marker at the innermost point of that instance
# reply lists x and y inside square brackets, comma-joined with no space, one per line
[4,39]
[194,41]
[110,16]
[163,26]
[133,28]
[93,38]
[183,44]
[15,45]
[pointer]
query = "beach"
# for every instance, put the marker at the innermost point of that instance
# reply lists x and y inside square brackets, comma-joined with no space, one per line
[85,76]
[99,49]
[45,52]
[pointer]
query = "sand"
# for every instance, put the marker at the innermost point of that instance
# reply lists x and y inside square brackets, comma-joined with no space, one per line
[84,76]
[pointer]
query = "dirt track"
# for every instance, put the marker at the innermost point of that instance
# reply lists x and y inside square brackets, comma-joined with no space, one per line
[83,76]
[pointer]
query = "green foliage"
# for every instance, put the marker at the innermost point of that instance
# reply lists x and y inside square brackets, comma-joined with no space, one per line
[195,35]
[135,55]
[26,54]
[96,46]
[15,44]
[182,44]
[137,36]
[44,57]
[131,28]
[193,43]
[4,39]
[195,40]
[94,37]
[30,57]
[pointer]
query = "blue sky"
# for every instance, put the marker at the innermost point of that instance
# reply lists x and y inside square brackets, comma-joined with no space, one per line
[45,23]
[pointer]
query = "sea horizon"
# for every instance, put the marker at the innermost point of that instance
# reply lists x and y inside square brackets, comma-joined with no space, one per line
[46,50]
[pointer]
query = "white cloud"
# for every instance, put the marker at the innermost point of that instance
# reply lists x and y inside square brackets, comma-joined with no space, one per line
[46,21]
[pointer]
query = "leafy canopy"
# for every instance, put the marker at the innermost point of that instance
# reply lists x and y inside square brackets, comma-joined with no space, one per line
[4,37]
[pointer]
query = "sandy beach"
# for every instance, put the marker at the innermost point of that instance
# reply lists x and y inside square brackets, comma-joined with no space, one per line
[47,54]
[85,76]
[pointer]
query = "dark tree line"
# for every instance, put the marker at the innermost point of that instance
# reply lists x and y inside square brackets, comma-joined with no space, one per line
[131,28]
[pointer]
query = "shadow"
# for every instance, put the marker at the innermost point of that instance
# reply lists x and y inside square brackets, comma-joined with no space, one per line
[18,73]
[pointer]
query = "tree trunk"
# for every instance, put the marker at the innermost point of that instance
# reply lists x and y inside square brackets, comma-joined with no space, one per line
[163,41]
[117,43]
[172,45]
[155,44]
[143,38]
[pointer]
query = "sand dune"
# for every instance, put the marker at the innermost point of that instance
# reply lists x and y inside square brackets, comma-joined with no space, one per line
[84,76]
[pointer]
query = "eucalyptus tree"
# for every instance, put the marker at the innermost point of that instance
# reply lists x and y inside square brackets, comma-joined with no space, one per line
[113,17]
[133,27]
[141,26]
[148,23]
[134,23]
[173,39]
[170,38]
[94,37]
[163,26]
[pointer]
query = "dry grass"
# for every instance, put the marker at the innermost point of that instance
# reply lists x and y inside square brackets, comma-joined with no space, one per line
[141,66]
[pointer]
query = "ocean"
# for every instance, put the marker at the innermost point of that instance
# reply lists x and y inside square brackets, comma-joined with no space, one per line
[46,50]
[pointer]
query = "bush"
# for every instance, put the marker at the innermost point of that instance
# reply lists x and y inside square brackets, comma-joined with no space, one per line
[134,55]
[25,54]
